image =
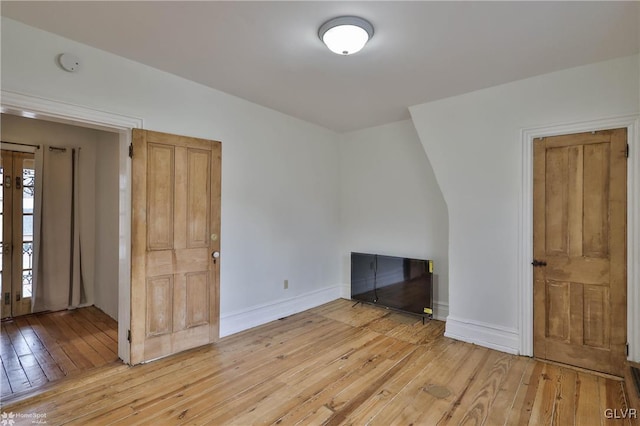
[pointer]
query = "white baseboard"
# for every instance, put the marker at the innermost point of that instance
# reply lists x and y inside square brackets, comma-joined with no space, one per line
[345,291]
[440,310]
[235,322]
[490,336]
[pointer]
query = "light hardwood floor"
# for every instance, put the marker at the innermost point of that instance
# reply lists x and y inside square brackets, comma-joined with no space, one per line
[38,349]
[335,365]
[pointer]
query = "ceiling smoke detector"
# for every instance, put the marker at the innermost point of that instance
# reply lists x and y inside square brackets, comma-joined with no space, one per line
[69,62]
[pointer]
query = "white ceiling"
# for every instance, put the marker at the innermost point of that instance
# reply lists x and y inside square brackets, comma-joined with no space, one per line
[269,52]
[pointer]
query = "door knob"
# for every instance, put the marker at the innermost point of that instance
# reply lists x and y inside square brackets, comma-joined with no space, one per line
[538,263]
[215,255]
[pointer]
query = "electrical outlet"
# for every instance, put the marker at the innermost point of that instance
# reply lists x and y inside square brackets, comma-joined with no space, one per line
[286,284]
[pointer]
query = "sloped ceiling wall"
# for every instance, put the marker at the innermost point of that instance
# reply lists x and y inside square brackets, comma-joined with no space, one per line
[473,143]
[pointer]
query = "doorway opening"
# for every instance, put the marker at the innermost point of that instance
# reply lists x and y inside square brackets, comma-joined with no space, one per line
[25,105]
[94,160]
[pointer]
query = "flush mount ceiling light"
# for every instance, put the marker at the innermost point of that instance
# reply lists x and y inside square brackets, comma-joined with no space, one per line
[346,35]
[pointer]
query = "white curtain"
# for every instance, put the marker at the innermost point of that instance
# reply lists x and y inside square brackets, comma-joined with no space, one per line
[76,292]
[58,280]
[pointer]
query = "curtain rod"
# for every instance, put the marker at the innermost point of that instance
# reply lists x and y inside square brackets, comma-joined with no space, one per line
[23,144]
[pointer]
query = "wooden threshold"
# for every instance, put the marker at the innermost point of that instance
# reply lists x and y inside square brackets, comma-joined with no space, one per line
[582,370]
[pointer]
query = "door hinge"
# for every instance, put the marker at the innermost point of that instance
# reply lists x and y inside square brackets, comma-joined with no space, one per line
[130,150]
[129,336]
[7,298]
[627,153]
[627,345]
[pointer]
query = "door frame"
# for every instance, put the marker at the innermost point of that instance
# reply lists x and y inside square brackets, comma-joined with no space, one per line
[525,235]
[30,106]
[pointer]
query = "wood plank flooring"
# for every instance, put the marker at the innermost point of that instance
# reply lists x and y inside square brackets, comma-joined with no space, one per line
[41,348]
[335,365]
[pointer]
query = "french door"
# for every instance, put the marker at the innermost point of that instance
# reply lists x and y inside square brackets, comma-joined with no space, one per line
[17,174]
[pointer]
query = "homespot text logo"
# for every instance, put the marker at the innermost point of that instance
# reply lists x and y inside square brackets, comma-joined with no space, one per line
[9,419]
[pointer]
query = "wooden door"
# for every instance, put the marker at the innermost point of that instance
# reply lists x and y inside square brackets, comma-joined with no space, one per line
[176,228]
[580,249]
[17,174]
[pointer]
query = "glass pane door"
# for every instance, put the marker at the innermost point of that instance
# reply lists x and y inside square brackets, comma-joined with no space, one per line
[28,192]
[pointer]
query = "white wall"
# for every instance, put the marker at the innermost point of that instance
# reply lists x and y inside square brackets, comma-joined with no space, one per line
[107,222]
[280,202]
[98,269]
[473,142]
[391,203]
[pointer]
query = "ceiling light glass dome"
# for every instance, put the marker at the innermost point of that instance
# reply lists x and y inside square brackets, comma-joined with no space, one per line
[346,35]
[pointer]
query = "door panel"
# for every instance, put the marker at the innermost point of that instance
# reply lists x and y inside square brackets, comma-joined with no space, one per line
[18,185]
[595,241]
[159,305]
[558,310]
[580,236]
[176,214]
[198,183]
[596,314]
[6,172]
[557,201]
[197,284]
[160,203]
